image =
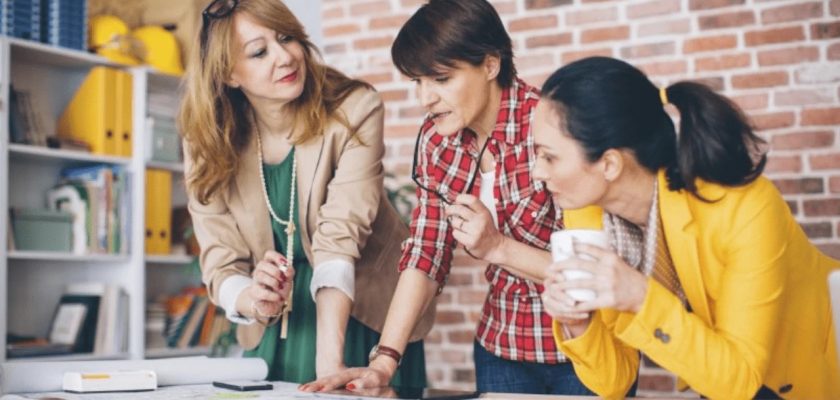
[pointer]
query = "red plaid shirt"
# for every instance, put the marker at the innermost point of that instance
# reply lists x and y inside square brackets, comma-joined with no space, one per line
[512,324]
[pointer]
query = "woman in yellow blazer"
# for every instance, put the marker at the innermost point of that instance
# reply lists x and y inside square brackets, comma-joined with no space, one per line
[285,183]
[709,273]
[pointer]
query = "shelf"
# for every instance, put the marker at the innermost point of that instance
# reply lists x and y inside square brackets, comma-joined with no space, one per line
[169,166]
[61,256]
[73,357]
[175,259]
[25,151]
[163,80]
[40,53]
[170,352]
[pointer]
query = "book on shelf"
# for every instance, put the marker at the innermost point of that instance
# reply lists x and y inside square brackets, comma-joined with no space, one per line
[67,324]
[110,332]
[10,234]
[155,324]
[97,196]
[190,319]
[90,297]
[25,125]
[191,332]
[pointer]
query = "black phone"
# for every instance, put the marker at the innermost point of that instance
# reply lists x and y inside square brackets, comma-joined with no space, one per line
[243,385]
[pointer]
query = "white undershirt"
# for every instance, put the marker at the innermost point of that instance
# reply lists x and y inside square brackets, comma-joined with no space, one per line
[339,274]
[488,180]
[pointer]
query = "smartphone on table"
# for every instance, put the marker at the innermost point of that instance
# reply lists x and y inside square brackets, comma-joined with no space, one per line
[244,385]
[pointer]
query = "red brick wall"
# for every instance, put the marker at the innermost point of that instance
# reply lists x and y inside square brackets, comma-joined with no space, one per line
[779,59]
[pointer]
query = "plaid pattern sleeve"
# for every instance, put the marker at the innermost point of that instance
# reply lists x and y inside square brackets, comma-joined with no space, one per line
[512,324]
[429,246]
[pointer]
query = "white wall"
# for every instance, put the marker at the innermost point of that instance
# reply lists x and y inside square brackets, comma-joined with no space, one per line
[309,13]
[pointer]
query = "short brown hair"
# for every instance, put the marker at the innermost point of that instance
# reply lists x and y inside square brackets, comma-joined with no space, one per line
[444,31]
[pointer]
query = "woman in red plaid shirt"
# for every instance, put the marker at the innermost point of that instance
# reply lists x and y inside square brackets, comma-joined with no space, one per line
[472,166]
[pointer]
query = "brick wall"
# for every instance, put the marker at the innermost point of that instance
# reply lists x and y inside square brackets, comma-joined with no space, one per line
[779,59]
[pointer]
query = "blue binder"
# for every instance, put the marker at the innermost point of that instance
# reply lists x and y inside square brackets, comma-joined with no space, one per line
[64,23]
[21,19]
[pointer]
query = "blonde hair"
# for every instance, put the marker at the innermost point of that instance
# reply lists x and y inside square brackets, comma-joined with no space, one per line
[214,117]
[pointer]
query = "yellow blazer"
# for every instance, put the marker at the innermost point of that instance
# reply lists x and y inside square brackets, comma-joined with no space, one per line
[343,211]
[758,291]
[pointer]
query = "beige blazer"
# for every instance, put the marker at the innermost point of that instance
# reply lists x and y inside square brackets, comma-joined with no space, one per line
[343,203]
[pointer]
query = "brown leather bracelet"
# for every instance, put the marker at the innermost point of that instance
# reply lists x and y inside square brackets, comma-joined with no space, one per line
[385,351]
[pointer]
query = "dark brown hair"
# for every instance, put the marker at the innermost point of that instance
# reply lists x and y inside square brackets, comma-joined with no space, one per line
[444,31]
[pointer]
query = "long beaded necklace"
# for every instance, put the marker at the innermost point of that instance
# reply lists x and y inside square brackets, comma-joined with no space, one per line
[290,229]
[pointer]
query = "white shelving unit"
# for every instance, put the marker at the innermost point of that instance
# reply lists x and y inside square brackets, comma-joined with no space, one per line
[31,283]
[24,152]
[59,256]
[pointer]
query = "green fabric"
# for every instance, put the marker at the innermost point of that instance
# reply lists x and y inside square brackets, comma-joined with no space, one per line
[293,359]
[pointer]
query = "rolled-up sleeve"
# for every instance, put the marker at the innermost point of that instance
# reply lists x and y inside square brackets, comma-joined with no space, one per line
[343,230]
[224,252]
[429,244]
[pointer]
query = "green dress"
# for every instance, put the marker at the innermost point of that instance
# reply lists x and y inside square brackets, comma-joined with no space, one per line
[293,359]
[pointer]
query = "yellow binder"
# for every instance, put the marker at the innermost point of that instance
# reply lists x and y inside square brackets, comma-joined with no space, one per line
[90,115]
[123,114]
[158,211]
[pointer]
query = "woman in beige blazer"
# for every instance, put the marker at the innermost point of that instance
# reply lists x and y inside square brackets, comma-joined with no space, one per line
[272,133]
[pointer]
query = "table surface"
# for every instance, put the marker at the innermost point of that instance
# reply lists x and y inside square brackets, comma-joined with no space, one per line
[282,390]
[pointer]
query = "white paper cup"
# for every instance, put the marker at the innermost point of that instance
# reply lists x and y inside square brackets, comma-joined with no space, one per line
[562,248]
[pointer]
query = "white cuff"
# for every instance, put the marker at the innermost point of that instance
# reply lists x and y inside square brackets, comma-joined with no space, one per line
[230,290]
[339,274]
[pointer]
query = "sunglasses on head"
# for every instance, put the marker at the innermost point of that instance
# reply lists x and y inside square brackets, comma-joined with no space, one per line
[215,10]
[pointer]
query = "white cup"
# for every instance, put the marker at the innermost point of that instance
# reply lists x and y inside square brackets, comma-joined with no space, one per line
[562,248]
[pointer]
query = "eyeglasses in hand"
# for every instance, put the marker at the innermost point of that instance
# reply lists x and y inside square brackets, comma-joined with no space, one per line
[470,178]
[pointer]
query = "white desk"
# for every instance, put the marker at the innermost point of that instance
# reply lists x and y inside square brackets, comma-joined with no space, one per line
[282,390]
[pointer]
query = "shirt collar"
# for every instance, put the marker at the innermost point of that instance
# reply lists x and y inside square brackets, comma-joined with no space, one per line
[508,129]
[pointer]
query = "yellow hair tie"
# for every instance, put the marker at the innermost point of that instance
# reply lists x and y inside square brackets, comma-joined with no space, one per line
[663,95]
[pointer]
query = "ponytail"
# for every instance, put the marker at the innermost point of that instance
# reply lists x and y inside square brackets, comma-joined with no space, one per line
[609,104]
[716,143]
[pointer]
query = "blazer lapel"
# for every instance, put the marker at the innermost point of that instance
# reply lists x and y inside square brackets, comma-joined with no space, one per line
[308,158]
[251,193]
[681,236]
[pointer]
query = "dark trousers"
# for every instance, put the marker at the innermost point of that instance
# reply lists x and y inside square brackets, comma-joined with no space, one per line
[494,374]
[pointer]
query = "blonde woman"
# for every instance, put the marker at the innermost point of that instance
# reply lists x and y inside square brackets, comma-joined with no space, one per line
[284,176]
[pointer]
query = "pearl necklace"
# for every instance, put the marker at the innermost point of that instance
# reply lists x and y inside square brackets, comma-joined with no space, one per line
[290,228]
